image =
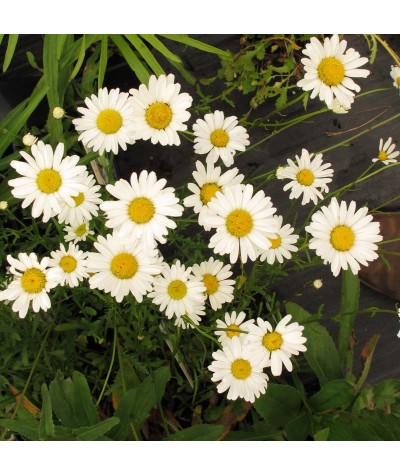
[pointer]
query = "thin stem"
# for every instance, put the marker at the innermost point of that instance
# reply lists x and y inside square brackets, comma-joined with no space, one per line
[111,362]
[392,53]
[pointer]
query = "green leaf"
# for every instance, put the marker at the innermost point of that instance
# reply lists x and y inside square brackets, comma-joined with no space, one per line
[322,435]
[11,45]
[146,54]
[123,413]
[131,58]
[32,61]
[84,408]
[46,427]
[321,353]
[336,394]
[80,60]
[299,428]
[62,397]
[367,351]
[186,40]
[97,430]
[280,404]
[161,48]
[348,310]
[103,60]
[198,432]
[27,429]
[386,393]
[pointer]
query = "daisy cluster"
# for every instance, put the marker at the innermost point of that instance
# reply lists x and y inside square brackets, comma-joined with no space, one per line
[138,214]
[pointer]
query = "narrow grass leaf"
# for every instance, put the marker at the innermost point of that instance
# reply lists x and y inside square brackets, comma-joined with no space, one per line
[80,60]
[131,58]
[11,45]
[103,60]
[146,54]
[186,40]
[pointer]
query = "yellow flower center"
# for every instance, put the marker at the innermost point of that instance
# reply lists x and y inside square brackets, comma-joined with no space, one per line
[331,71]
[241,369]
[275,243]
[33,281]
[79,199]
[141,210]
[239,223]
[159,115]
[208,191]
[342,238]
[272,341]
[211,283]
[177,289]
[48,181]
[382,155]
[398,81]
[109,121]
[232,332]
[81,230]
[219,138]
[124,266]
[68,264]
[305,177]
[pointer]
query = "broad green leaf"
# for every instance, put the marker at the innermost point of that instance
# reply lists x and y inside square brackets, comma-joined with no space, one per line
[27,429]
[299,428]
[131,58]
[348,309]
[97,430]
[186,40]
[11,45]
[18,117]
[336,394]
[125,380]
[123,413]
[387,393]
[103,60]
[62,397]
[146,54]
[322,435]
[46,427]
[321,353]
[257,432]
[84,408]
[198,432]
[280,404]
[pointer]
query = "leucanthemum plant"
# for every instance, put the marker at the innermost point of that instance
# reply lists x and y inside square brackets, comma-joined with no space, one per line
[193,290]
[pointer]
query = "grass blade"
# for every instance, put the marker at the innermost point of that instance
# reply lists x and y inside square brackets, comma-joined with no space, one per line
[131,58]
[81,57]
[103,60]
[146,54]
[12,43]
[186,40]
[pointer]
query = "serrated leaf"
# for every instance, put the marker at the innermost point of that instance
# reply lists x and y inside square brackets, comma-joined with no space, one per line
[84,408]
[62,396]
[336,394]
[97,430]
[28,429]
[280,404]
[197,433]
[321,354]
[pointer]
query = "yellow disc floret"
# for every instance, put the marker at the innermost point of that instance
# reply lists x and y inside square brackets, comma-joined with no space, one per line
[272,341]
[208,191]
[241,369]
[68,264]
[177,289]
[79,199]
[305,177]
[275,243]
[233,330]
[239,223]
[158,115]
[382,155]
[219,138]
[81,230]
[211,283]
[331,71]
[124,266]
[342,238]
[33,280]
[109,121]
[141,210]
[48,181]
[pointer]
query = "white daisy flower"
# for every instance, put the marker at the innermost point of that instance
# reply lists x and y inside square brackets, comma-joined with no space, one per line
[277,345]
[386,153]
[177,292]
[215,276]
[329,70]
[86,203]
[209,180]
[240,371]
[344,237]
[219,137]
[395,75]
[72,263]
[281,246]
[122,266]
[243,222]
[194,316]
[160,110]
[309,177]
[142,208]
[32,282]
[339,108]
[28,139]
[233,325]
[78,232]
[106,122]
[47,179]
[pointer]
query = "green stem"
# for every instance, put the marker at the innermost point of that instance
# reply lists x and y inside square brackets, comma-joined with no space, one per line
[392,53]
[111,362]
